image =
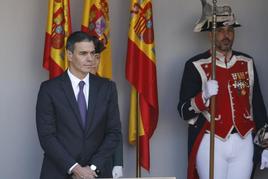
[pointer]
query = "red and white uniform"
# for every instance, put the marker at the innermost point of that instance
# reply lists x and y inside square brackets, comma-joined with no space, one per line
[233,101]
[239,105]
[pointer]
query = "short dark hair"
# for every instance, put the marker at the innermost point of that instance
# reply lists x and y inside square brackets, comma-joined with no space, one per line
[78,36]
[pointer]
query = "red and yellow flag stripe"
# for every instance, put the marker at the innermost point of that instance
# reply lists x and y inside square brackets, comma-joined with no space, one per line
[141,73]
[58,29]
[96,22]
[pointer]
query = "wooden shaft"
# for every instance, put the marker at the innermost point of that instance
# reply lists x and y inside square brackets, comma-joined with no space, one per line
[213,99]
[138,167]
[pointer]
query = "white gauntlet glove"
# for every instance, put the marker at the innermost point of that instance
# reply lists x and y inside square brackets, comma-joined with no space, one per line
[117,171]
[264,159]
[210,89]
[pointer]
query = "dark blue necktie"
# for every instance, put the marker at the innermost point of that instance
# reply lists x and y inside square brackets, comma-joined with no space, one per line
[82,103]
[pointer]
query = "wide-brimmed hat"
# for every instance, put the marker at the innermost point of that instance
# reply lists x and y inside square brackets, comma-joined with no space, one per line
[224,17]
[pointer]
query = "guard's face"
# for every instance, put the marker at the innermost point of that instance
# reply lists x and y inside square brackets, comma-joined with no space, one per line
[95,65]
[224,39]
[82,60]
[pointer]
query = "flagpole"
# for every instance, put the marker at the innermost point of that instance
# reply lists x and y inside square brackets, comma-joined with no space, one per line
[138,167]
[213,100]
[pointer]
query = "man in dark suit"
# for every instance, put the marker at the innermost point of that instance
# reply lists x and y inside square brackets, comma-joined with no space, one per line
[77,117]
[115,164]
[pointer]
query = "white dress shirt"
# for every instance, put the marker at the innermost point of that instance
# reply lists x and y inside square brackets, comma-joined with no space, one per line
[75,81]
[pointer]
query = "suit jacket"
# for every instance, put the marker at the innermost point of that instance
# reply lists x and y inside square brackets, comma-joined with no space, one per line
[115,160]
[60,130]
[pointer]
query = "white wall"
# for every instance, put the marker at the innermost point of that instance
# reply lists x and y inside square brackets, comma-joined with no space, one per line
[22,29]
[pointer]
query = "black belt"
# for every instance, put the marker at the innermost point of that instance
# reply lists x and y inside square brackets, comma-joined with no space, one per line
[234,131]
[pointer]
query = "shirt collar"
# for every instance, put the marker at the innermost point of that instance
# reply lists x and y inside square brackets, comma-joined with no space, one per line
[75,80]
[221,57]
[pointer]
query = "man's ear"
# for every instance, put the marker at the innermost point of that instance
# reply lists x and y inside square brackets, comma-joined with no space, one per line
[69,55]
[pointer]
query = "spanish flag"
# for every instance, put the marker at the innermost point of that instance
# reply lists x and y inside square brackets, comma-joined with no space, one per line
[141,74]
[96,22]
[58,30]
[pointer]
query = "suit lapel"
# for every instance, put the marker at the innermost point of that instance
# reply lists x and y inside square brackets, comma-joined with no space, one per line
[93,93]
[69,93]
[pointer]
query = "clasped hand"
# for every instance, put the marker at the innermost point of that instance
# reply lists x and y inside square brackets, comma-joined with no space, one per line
[80,172]
[117,171]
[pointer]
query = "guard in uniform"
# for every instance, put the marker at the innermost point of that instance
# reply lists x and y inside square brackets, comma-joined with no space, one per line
[240,110]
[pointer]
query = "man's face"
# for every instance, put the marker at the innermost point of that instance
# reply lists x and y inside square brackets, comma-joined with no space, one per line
[82,60]
[96,63]
[224,39]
